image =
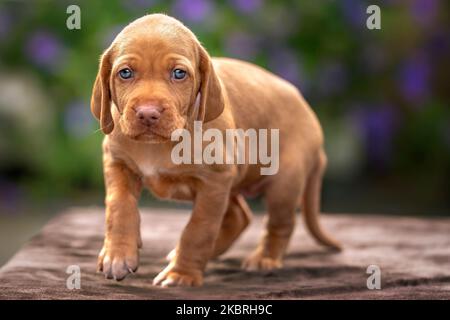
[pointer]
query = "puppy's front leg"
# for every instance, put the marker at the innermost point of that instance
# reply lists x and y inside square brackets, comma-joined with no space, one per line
[197,241]
[120,253]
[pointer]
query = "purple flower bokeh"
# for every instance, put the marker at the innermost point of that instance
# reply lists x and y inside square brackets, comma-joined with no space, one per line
[5,25]
[438,45]
[78,120]
[45,50]
[424,12]
[287,65]
[246,6]
[11,197]
[413,78]
[241,45]
[195,11]
[377,126]
[354,12]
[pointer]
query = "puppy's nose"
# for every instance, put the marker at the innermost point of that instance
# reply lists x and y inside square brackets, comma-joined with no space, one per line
[148,115]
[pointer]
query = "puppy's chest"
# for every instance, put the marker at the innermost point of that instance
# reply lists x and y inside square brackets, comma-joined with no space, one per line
[162,177]
[167,186]
[147,167]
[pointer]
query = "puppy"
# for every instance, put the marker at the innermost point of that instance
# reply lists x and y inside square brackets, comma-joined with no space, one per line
[156,78]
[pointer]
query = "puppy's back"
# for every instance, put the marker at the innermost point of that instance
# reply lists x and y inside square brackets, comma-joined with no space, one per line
[261,99]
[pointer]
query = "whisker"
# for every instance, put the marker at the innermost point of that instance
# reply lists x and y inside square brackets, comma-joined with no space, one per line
[101,128]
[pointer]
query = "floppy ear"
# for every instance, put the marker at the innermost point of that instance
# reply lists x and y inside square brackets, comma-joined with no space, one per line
[211,97]
[101,95]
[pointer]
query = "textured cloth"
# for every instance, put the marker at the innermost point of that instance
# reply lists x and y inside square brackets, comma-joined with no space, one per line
[413,255]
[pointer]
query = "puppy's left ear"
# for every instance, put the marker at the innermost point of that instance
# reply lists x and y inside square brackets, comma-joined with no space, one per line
[211,96]
[101,95]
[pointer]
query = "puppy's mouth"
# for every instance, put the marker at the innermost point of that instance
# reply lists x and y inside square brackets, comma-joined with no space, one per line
[152,136]
[145,131]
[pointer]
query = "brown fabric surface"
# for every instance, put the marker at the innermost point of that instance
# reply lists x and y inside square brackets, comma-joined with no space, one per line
[413,254]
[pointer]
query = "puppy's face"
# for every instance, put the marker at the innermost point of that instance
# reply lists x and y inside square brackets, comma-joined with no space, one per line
[159,79]
[154,84]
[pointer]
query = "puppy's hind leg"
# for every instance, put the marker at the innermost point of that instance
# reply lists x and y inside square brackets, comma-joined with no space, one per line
[237,218]
[281,204]
[235,221]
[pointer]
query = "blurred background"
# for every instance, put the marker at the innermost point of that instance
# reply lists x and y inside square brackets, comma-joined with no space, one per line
[382,97]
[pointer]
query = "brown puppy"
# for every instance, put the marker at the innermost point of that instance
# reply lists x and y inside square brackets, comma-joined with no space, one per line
[156,78]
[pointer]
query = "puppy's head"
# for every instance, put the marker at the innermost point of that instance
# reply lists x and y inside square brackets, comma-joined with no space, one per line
[158,77]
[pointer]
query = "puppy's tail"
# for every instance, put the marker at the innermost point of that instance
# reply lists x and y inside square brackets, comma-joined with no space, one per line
[311,206]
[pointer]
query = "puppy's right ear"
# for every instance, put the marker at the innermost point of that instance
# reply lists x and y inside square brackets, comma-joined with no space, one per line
[101,94]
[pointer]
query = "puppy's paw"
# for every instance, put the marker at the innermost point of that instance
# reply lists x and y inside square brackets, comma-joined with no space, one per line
[259,262]
[171,278]
[117,261]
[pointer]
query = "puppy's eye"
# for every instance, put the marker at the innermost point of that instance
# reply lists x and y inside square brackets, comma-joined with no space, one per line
[126,73]
[178,74]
